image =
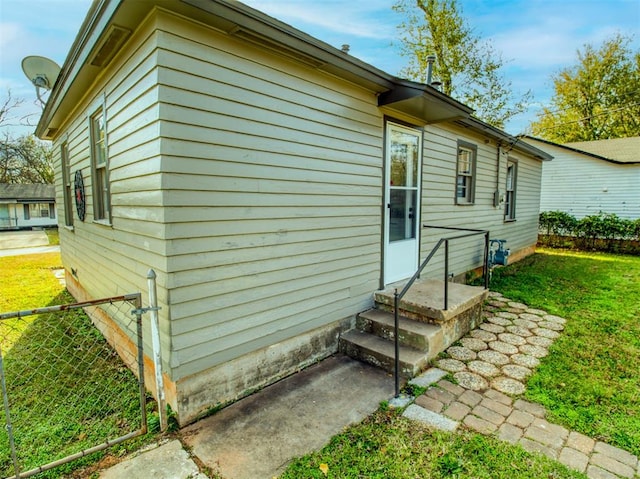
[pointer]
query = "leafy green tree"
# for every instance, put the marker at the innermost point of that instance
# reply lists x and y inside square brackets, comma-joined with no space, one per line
[25,159]
[468,68]
[597,98]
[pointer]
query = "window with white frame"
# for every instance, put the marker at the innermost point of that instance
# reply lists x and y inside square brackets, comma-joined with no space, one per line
[465,176]
[38,210]
[99,167]
[67,186]
[510,196]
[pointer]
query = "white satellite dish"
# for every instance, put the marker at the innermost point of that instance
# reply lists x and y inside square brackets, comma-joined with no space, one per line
[40,71]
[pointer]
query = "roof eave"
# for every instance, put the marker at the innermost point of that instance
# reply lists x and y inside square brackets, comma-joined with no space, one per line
[245,23]
[586,153]
[515,142]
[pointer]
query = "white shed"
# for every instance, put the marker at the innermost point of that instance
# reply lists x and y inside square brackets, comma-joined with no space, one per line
[589,177]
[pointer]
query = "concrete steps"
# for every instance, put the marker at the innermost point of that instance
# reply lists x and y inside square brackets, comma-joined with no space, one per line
[379,352]
[421,336]
[425,328]
[373,342]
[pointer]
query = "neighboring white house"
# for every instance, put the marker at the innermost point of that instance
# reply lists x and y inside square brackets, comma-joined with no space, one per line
[272,181]
[27,206]
[592,176]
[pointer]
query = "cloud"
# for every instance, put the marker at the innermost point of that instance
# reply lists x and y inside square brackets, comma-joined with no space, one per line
[359,19]
[9,33]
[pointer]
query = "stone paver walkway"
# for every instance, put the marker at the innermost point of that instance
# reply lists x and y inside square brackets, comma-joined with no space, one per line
[490,366]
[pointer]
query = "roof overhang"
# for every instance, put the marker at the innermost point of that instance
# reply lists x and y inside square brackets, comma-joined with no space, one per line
[423,102]
[582,152]
[512,142]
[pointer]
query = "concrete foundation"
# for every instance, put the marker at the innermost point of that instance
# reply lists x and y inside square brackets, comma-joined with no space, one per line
[196,396]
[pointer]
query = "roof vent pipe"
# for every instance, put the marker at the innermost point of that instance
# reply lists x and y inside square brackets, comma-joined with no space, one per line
[346,48]
[430,61]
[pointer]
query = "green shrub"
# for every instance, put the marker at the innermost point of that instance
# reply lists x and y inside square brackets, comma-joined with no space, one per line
[557,223]
[603,225]
[600,232]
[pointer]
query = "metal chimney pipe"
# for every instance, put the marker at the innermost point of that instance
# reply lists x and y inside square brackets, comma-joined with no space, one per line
[430,61]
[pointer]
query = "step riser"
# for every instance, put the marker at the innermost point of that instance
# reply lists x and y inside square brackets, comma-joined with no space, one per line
[451,330]
[425,300]
[422,316]
[380,360]
[424,343]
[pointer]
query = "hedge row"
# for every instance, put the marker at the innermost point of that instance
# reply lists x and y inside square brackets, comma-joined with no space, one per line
[604,232]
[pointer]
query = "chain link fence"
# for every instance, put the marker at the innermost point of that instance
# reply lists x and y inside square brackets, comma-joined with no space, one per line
[66,392]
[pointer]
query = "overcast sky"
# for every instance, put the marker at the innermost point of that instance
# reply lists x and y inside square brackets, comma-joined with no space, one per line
[536,37]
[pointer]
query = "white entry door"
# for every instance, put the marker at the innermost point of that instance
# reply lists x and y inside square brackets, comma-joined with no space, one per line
[402,197]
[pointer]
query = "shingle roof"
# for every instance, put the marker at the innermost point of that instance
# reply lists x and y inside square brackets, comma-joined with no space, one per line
[623,150]
[27,192]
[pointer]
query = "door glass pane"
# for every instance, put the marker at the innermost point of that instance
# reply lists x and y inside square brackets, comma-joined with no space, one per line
[404,159]
[402,218]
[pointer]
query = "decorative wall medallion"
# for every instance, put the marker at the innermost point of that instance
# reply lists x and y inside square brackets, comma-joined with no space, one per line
[79,193]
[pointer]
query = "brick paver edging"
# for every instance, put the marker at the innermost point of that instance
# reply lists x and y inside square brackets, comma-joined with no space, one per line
[490,366]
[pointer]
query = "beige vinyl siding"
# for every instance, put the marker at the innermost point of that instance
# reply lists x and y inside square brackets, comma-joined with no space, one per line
[272,186]
[114,259]
[581,185]
[439,208]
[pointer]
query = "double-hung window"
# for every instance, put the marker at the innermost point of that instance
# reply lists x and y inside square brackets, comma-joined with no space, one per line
[465,174]
[67,186]
[510,197]
[100,167]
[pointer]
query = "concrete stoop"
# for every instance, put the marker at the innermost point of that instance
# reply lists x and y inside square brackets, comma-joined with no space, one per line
[425,328]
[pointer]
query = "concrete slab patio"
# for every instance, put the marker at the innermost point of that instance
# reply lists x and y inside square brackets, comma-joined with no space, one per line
[164,461]
[257,436]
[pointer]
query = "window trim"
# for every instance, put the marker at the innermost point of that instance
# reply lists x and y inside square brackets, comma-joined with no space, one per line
[67,184]
[473,149]
[510,203]
[100,172]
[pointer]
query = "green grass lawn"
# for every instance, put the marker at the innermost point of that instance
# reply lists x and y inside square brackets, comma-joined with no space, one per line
[53,235]
[388,446]
[590,382]
[82,396]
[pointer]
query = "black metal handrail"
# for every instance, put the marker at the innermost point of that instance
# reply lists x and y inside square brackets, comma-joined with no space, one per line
[398,296]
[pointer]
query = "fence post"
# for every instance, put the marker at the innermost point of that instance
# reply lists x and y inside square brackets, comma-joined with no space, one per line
[141,380]
[5,397]
[157,354]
